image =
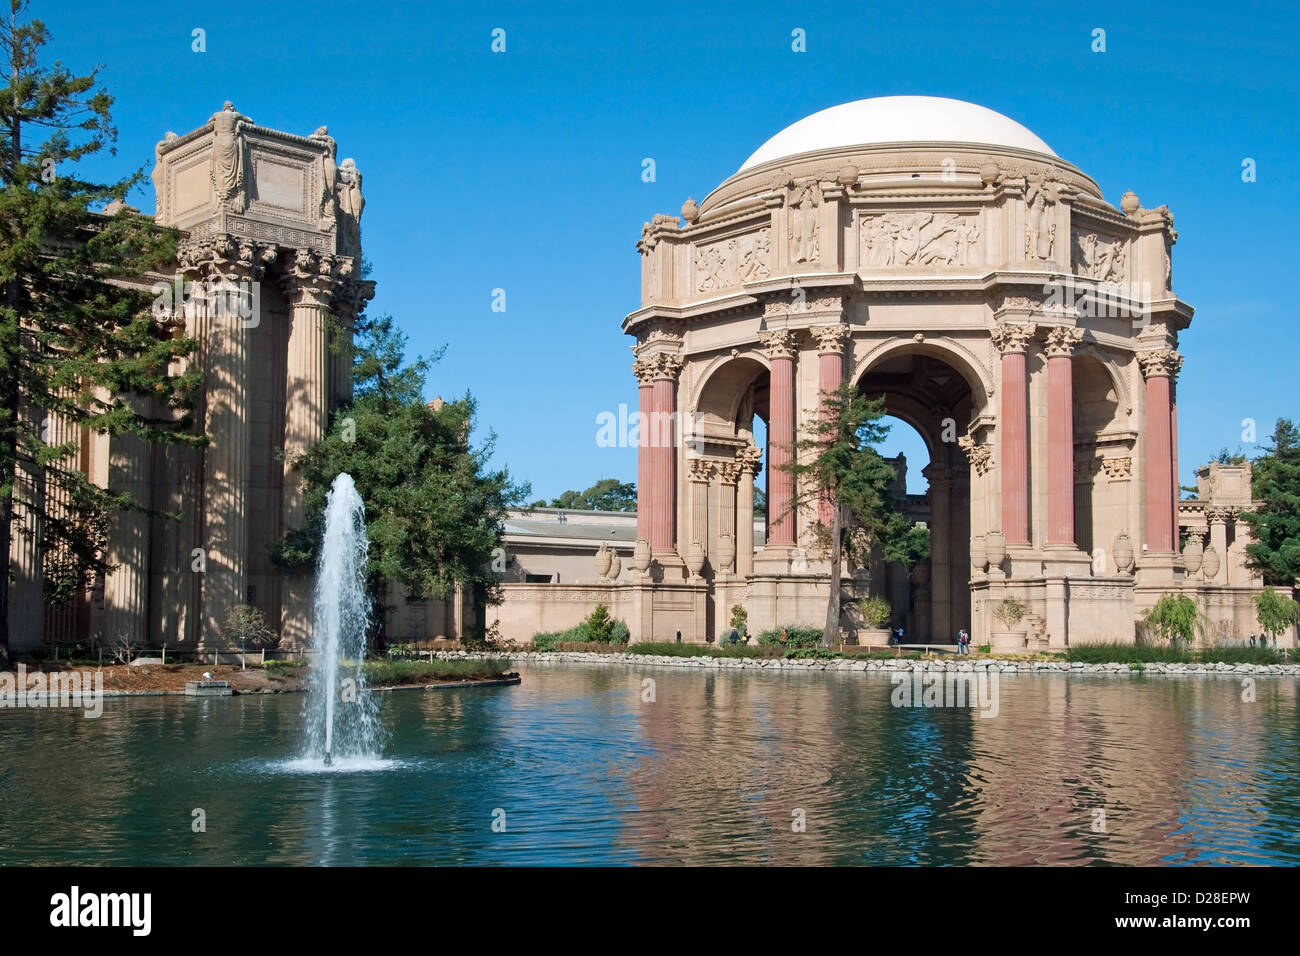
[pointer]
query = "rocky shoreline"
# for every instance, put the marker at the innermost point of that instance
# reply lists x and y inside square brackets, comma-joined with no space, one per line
[899,664]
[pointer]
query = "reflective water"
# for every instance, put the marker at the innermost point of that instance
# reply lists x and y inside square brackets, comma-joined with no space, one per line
[579,769]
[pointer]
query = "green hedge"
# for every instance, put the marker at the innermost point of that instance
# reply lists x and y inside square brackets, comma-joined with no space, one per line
[795,636]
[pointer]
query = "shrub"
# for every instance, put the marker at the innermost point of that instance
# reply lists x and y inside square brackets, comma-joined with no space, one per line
[795,636]
[875,611]
[618,633]
[1009,612]
[599,626]
[546,642]
[1275,612]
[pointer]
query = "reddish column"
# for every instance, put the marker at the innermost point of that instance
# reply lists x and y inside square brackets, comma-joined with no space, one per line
[663,461]
[643,503]
[1013,340]
[1159,367]
[780,482]
[1060,435]
[1173,446]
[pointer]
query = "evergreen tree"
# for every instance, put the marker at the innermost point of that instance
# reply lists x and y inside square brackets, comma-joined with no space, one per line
[434,510]
[77,348]
[842,465]
[608,494]
[1275,523]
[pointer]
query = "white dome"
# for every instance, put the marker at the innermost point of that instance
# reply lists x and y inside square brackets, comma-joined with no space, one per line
[897,119]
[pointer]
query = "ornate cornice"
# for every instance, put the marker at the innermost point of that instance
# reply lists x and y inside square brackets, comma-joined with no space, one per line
[1160,362]
[780,343]
[1061,340]
[1013,337]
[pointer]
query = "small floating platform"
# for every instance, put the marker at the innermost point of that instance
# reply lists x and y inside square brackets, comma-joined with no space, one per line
[208,688]
[509,680]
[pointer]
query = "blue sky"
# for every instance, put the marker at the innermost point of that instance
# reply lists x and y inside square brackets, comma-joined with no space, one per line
[522,170]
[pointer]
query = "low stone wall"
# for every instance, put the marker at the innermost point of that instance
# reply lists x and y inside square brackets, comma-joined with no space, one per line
[899,664]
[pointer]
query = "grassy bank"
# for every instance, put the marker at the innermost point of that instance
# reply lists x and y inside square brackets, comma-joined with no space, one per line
[1167,654]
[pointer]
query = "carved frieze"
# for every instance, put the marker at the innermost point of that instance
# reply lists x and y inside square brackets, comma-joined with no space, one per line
[1103,258]
[919,239]
[731,262]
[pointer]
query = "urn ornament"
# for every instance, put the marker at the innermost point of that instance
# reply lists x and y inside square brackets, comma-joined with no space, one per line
[602,561]
[1211,563]
[1193,553]
[995,544]
[615,564]
[695,559]
[1123,553]
[641,556]
[726,552]
[979,558]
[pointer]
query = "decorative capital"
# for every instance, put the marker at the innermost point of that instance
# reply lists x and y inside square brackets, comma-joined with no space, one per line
[1013,337]
[830,338]
[644,370]
[749,459]
[701,469]
[728,472]
[1160,362]
[1117,469]
[980,456]
[1061,340]
[781,343]
[1219,515]
[666,366]
[309,279]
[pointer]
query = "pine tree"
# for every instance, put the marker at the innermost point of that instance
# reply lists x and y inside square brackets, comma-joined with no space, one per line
[1275,523]
[434,509]
[842,465]
[78,349]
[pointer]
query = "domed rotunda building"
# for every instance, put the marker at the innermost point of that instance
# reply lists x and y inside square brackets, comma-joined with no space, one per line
[943,256]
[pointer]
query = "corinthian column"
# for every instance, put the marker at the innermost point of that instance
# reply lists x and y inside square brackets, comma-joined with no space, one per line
[750,462]
[830,375]
[1159,367]
[1060,434]
[226,459]
[645,378]
[1013,341]
[780,346]
[307,286]
[663,452]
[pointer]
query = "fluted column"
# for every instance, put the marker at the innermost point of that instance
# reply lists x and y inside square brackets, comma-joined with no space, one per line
[1013,341]
[663,453]
[830,375]
[1060,434]
[226,466]
[126,586]
[781,347]
[701,474]
[750,461]
[728,475]
[940,493]
[1160,367]
[644,371]
[307,288]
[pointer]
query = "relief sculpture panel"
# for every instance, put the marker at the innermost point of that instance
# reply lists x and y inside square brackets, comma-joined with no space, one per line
[731,262]
[919,239]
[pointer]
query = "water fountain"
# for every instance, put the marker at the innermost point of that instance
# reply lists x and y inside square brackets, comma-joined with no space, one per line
[342,718]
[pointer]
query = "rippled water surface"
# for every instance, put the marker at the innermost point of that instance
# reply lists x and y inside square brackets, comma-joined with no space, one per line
[581,770]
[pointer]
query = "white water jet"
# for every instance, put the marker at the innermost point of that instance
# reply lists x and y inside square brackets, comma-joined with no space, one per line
[342,718]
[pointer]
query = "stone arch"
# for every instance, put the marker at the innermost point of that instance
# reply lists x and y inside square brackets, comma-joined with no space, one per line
[978,376]
[1101,496]
[722,389]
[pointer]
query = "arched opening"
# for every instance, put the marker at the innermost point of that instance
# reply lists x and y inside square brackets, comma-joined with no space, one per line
[924,388]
